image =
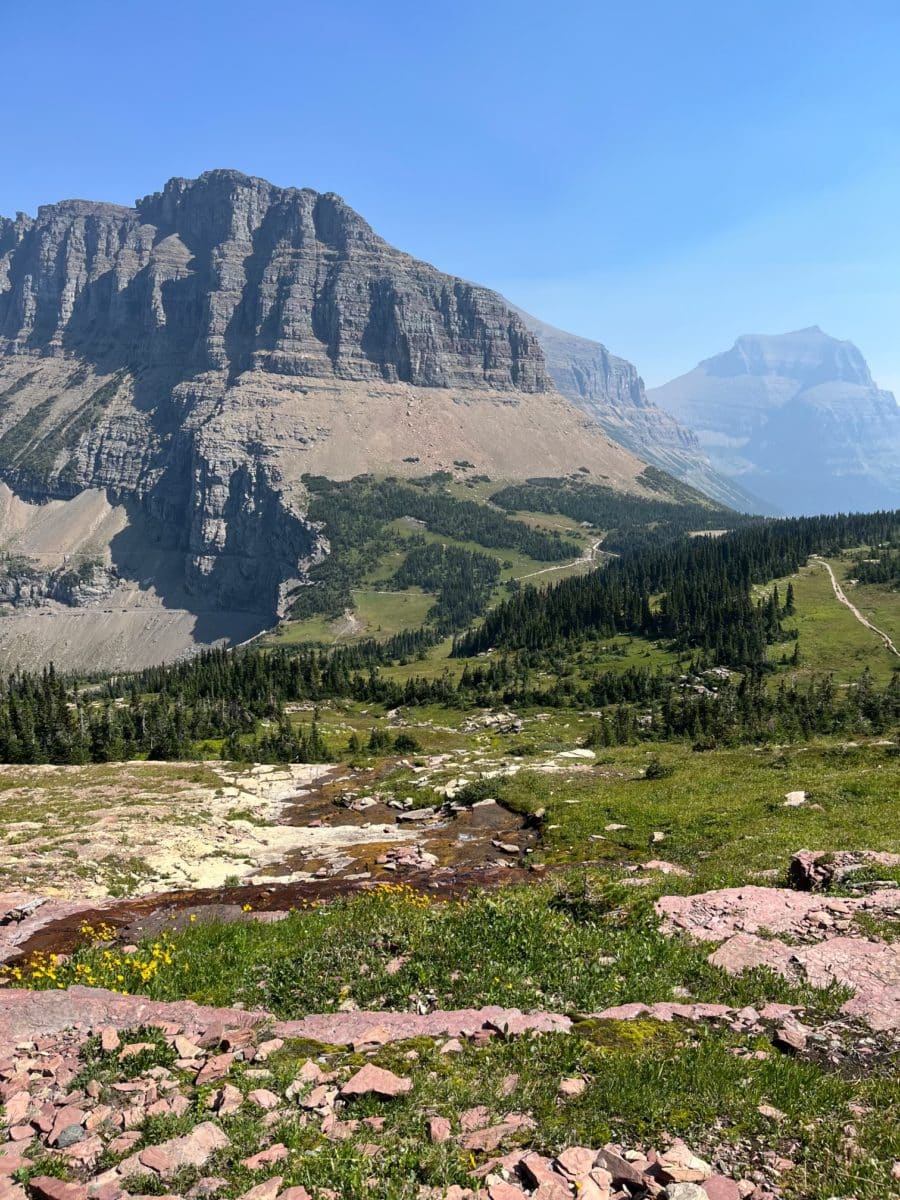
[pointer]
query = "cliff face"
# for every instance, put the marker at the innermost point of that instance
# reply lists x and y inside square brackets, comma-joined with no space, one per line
[610,390]
[231,273]
[195,355]
[796,418]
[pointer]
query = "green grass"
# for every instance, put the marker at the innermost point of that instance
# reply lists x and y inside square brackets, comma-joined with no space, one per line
[578,946]
[645,1083]
[832,641]
[575,945]
[721,813]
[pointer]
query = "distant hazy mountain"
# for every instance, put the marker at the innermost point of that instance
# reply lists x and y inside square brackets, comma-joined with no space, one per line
[610,391]
[795,418]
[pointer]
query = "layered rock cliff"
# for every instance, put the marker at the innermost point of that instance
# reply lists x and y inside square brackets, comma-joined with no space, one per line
[193,356]
[796,418]
[610,390]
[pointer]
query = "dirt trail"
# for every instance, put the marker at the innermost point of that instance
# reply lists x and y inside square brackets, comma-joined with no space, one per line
[587,559]
[841,596]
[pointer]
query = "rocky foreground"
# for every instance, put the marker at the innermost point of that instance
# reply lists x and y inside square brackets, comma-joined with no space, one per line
[108,1096]
[81,1106]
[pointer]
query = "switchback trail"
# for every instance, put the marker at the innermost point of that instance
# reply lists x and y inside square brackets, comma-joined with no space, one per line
[839,593]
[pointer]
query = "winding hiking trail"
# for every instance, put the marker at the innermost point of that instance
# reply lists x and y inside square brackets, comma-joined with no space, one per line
[841,596]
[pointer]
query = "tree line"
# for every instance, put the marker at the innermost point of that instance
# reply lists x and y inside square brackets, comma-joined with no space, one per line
[696,592]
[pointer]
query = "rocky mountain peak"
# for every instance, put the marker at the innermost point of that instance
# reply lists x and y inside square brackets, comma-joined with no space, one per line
[188,360]
[228,271]
[756,405]
[809,356]
[610,390]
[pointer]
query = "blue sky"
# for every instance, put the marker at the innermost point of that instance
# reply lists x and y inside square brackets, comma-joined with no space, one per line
[662,176]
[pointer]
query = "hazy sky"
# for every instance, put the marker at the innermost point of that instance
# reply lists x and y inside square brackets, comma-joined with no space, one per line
[662,176]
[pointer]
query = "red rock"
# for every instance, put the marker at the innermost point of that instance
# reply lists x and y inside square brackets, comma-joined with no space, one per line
[619,1168]
[193,1150]
[84,1152]
[106,1191]
[267,1048]
[98,1116]
[124,1142]
[160,1108]
[264,1191]
[263,1098]
[506,1191]
[474,1118]
[576,1162]
[66,1117]
[13,1162]
[21,1133]
[537,1171]
[338,1131]
[234,1039]
[319,1097]
[109,1040]
[720,1187]
[310,1072]
[133,1048]
[439,1129]
[679,1164]
[294,1193]
[45,1187]
[371,1080]
[214,1068]
[16,1108]
[227,1100]
[792,1036]
[265,1158]
[185,1048]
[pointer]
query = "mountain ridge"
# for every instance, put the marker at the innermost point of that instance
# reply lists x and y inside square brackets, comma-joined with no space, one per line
[611,391]
[756,405]
[195,356]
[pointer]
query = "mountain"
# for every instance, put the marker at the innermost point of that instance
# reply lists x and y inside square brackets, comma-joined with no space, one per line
[169,373]
[796,418]
[611,392]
